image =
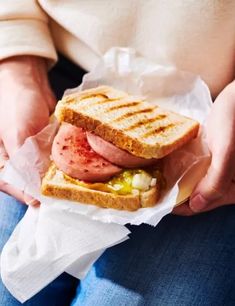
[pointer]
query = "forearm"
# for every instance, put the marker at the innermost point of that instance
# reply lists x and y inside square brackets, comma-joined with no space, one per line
[26,72]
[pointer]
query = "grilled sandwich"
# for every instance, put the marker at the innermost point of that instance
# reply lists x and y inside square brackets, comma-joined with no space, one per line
[108,148]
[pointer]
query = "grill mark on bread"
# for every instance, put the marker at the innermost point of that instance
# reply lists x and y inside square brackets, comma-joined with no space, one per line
[85,107]
[106,101]
[158,130]
[116,107]
[94,96]
[130,114]
[70,98]
[144,122]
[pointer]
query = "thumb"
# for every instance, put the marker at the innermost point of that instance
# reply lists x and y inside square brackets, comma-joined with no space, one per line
[211,188]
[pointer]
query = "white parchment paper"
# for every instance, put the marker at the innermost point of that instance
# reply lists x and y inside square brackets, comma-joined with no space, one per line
[64,236]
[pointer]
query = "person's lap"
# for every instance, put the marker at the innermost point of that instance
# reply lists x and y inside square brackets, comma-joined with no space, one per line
[183,261]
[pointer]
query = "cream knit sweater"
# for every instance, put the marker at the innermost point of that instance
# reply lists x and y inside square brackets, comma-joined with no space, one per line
[194,35]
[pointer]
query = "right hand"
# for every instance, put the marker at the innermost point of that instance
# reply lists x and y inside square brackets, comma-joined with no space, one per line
[26,101]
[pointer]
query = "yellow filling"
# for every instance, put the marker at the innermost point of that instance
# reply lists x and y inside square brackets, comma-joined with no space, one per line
[121,184]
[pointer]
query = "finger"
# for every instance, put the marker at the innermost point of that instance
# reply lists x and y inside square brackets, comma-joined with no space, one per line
[217,204]
[183,210]
[19,195]
[30,200]
[3,155]
[228,199]
[214,185]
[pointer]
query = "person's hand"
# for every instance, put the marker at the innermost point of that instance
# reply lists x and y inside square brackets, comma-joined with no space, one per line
[26,101]
[217,188]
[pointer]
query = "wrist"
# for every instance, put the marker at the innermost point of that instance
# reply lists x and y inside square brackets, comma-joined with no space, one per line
[22,61]
[19,68]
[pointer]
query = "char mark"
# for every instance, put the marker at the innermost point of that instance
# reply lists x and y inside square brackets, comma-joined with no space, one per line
[106,101]
[100,103]
[158,130]
[116,107]
[71,98]
[131,114]
[103,99]
[145,122]
[94,96]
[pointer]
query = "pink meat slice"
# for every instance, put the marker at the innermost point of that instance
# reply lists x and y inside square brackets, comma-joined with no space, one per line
[73,155]
[116,155]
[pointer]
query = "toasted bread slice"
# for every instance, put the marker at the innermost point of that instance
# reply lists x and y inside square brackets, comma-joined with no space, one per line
[54,184]
[128,122]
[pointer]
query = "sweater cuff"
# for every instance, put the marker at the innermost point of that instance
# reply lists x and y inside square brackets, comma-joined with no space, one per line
[26,37]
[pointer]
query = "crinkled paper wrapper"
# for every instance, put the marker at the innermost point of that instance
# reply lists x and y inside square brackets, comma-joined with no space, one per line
[71,226]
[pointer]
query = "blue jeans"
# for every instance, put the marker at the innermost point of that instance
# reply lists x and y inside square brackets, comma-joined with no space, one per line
[183,261]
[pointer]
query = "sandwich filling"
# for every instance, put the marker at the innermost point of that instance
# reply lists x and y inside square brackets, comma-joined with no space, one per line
[88,161]
[127,182]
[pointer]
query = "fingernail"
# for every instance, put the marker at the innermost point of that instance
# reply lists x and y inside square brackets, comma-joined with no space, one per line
[32,202]
[198,203]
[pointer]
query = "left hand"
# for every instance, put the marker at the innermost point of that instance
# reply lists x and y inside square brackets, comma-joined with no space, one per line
[217,188]
[26,101]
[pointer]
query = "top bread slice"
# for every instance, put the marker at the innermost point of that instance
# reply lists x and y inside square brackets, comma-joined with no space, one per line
[128,122]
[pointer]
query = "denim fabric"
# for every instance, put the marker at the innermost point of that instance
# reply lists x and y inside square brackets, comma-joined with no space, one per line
[183,261]
[60,292]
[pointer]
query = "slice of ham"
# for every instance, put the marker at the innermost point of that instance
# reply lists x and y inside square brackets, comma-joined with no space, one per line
[73,155]
[116,155]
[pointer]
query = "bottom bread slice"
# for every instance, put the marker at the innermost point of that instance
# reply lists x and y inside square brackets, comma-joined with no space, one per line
[54,184]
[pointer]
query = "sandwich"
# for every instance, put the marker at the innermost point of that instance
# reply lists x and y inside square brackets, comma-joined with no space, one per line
[109,149]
